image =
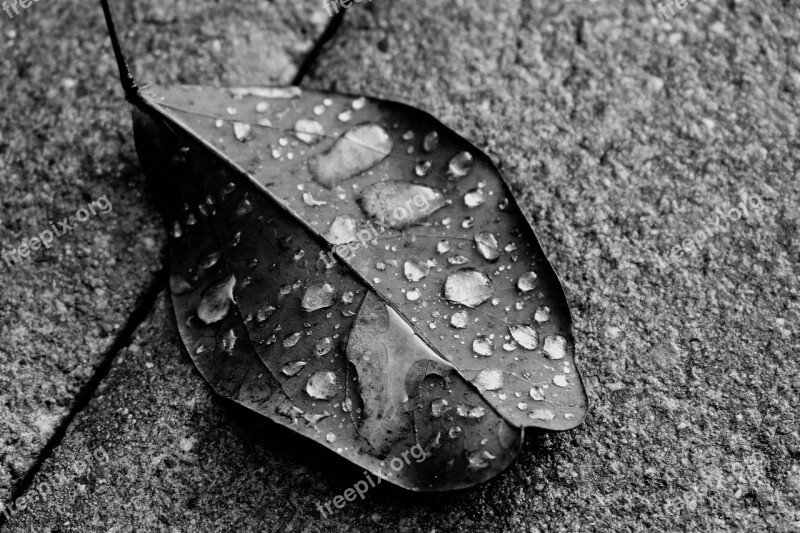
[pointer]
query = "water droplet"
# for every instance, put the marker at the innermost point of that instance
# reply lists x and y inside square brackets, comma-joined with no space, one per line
[309,200]
[468,287]
[330,437]
[262,107]
[380,265]
[413,295]
[455,432]
[522,406]
[489,380]
[527,281]
[209,260]
[244,207]
[510,346]
[319,296]
[438,407]
[487,245]
[468,411]
[422,169]
[555,346]
[542,313]
[359,103]
[560,381]
[525,336]
[322,385]
[459,320]
[323,346]
[399,203]
[474,198]
[191,220]
[345,116]
[360,149]
[415,269]
[468,223]
[292,368]
[229,341]
[216,301]
[479,459]
[483,346]
[242,131]
[342,230]
[177,232]
[457,259]
[460,165]
[309,131]
[347,405]
[431,141]
[537,393]
[443,247]
[348,297]
[318,110]
[179,285]
[291,340]
[545,412]
[262,315]
[231,111]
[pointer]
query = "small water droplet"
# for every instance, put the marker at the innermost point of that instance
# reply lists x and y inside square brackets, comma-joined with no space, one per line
[380,265]
[229,341]
[244,207]
[231,111]
[468,287]
[487,245]
[319,296]
[459,319]
[443,247]
[431,141]
[422,169]
[348,297]
[342,230]
[525,336]
[555,346]
[292,368]
[291,340]
[522,406]
[460,165]
[263,314]
[330,437]
[242,131]
[322,385]
[177,232]
[209,260]
[438,407]
[468,223]
[262,107]
[542,314]
[323,346]
[527,281]
[560,381]
[475,198]
[479,459]
[489,380]
[416,269]
[309,200]
[359,103]
[537,393]
[345,116]
[309,131]
[413,295]
[483,346]
[457,259]
[510,346]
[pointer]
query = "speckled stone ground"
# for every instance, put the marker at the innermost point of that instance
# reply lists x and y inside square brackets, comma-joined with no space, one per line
[623,135]
[65,140]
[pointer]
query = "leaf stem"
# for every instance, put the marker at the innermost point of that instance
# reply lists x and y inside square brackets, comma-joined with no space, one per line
[125,75]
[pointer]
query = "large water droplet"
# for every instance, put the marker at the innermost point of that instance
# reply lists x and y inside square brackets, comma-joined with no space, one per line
[292,368]
[543,412]
[483,346]
[216,302]
[309,131]
[468,287]
[443,247]
[323,346]
[319,296]
[342,230]
[479,459]
[537,393]
[360,149]
[322,385]
[460,165]
[292,339]
[525,336]
[487,245]
[459,320]
[474,198]
[527,281]
[399,204]
[555,346]
[416,269]
[489,380]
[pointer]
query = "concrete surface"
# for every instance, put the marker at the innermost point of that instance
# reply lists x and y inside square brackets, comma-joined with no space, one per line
[622,134]
[65,140]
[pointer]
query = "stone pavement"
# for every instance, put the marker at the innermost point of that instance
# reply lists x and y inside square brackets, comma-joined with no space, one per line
[623,135]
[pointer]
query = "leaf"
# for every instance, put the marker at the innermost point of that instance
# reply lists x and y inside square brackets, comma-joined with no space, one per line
[420,216]
[315,349]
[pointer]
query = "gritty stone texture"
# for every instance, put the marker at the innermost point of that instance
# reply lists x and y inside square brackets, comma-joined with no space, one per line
[622,135]
[65,140]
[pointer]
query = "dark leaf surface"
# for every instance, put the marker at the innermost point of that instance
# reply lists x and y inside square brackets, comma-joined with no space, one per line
[421,217]
[308,343]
